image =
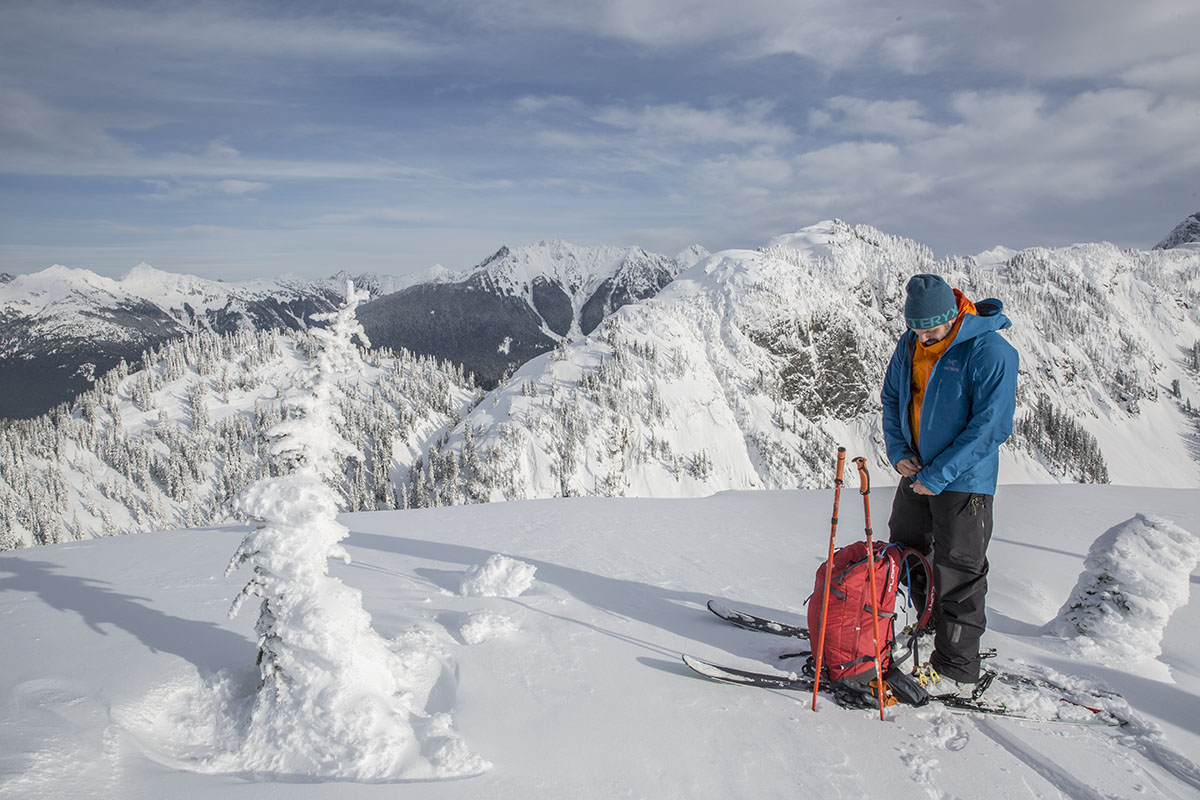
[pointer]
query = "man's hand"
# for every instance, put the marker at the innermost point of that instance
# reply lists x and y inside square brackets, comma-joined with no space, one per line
[920,488]
[908,467]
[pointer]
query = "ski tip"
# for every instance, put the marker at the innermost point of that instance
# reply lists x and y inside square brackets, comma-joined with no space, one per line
[719,608]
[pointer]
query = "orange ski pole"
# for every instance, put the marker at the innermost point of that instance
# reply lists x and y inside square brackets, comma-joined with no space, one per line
[865,491]
[837,495]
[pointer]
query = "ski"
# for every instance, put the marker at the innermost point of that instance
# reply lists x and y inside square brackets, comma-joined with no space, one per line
[961,705]
[756,623]
[747,678]
[965,705]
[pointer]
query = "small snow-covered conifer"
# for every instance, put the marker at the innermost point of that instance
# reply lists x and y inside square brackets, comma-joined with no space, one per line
[334,700]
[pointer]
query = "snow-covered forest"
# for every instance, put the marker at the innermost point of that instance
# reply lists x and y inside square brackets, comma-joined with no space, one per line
[171,441]
[742,373]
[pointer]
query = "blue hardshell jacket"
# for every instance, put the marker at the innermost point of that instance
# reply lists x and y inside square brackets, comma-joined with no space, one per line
[968,407]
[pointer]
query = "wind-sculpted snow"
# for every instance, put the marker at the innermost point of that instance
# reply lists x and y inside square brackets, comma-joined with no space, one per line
[1135,577]
[334,701]
[499,576]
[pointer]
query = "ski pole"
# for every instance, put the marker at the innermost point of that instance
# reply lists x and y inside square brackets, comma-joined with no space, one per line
[837,494]
[865,491]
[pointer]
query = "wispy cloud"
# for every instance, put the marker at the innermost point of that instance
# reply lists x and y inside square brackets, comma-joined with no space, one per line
[748,124]
[240,188]
[218,29]
[33,128]
[898,119]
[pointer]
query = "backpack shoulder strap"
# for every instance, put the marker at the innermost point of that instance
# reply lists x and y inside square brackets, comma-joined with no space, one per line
[910,560]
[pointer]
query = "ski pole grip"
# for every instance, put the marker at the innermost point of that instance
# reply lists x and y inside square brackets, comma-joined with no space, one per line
[863,477]
[841,465]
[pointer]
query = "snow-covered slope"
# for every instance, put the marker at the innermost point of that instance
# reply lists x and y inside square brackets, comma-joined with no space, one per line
[123,677]
[378,285]
[172,443]
[517,304]
[570,287]
[1186,233]
[61,328]
[752,366]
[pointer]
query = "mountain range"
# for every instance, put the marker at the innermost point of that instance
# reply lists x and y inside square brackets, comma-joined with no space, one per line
[61,328]
[517,304]
[750,368]
[745,371]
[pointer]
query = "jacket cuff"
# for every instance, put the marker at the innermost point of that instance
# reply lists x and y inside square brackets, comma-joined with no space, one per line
[932,485]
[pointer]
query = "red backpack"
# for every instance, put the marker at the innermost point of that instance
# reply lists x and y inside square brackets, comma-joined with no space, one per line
[849,645]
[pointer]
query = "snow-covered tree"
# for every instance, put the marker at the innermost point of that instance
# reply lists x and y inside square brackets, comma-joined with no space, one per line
[334,700]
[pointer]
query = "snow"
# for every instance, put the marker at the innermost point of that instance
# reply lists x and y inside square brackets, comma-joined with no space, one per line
[1136,576]
[483,626]
[123,667]
[78,303]
[499,576]
[579,270]
[334,701]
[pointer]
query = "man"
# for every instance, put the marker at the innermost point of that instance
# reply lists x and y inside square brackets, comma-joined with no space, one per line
[949,396]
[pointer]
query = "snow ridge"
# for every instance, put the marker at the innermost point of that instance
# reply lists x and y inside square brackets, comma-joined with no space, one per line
[753,365]
[548,275]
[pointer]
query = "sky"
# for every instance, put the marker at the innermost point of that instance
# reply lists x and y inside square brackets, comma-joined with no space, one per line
[235,139]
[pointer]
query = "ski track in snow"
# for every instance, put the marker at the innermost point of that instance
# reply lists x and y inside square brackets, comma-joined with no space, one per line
[1043,765]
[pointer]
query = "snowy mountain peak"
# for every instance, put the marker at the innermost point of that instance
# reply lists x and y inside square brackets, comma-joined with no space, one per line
[146,273]
[690,256]
[578,270]
[53,285]
[1185,233]
[861,249]
[61,325]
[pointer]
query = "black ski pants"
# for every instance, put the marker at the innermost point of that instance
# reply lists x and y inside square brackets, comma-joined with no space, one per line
[955,527]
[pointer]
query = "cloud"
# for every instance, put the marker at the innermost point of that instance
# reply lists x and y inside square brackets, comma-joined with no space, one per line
[1032,39]
[388,216]
[683,123]
[221,149]
[1093,40]
[1002,161]
[1175,73]
[37,138]
[911,54]
[530,104]
[760,169]
[182,31]
[238,188]
[900,119]
[30,128]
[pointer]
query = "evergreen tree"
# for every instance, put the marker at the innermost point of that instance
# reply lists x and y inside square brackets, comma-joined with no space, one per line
[317,648]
